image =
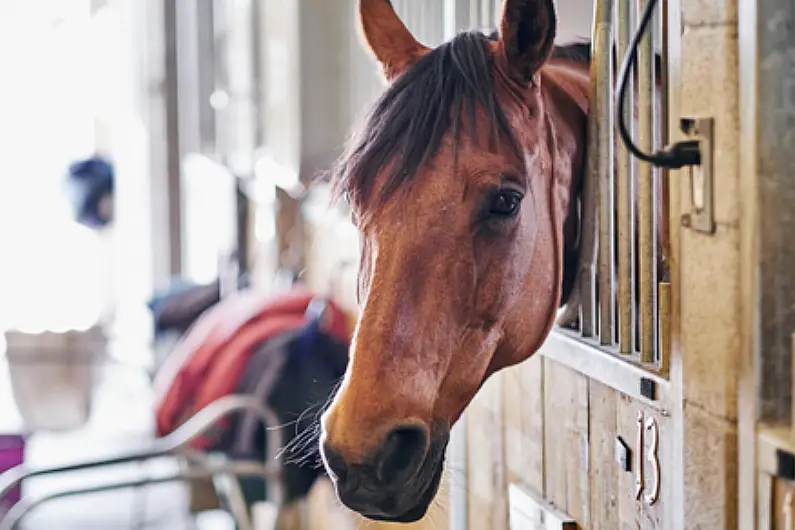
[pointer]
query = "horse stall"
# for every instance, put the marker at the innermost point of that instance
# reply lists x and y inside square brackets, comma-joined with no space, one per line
[662,397]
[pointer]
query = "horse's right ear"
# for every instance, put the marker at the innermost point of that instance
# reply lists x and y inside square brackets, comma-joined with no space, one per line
[392,44]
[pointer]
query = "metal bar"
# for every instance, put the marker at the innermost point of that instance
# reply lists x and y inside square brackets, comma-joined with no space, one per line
[239,469]
[590,209]
[664,312]
[665,192]
[624,200]
[229,492]
[172,132]
[646,239]
[792,398]
[169,445]
[601,70]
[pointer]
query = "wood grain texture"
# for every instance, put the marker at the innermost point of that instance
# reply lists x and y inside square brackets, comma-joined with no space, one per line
[710,482]
[604,469]
[640,514]
[566,466]
[488,499]
[530,511]
[782,516]
[523,414]
[326,511]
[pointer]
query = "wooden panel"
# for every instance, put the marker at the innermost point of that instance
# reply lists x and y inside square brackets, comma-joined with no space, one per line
[325,511]
[488,500]
[710,463]
[782,516]
[763,505]
[529,511]
[604,469]
[523,391]
[649,435]
[566,441]
[566,349]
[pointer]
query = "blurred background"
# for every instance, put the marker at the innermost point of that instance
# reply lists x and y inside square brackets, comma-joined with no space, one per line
[158,159]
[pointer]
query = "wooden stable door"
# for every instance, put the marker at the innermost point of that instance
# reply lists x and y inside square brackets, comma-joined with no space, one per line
[590,444]
[612,427]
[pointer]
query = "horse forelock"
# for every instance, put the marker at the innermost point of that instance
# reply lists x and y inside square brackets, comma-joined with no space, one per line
[437,96]
[408,123]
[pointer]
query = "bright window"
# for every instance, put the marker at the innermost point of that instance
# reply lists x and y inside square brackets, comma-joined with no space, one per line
[50,267]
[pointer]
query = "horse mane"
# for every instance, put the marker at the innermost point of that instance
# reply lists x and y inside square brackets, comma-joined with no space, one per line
[407,124]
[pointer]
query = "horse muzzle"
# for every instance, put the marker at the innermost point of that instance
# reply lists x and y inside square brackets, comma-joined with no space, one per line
[398,482]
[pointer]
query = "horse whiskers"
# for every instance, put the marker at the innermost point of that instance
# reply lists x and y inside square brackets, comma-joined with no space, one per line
[330,398]
[302,442]
[305,444]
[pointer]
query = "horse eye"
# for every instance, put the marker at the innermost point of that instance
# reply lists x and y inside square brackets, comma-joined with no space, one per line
[505,203]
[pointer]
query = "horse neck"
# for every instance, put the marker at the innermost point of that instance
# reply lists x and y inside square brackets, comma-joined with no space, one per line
[565,85]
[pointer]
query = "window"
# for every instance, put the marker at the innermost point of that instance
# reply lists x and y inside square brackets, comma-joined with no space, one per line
[50,267]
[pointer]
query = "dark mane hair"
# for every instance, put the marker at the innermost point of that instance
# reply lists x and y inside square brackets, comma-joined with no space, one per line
[408,122]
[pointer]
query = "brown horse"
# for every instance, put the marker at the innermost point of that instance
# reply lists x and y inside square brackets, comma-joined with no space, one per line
[463,183]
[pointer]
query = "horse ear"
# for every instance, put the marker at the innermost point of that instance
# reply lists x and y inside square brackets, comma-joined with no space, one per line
[392,44]
[527,33]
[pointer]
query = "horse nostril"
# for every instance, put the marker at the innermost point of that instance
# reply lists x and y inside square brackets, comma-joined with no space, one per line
[402,454]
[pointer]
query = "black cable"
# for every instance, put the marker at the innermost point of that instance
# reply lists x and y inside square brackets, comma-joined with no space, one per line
[675,156]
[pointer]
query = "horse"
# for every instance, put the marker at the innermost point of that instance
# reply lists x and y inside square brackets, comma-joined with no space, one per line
[464,183]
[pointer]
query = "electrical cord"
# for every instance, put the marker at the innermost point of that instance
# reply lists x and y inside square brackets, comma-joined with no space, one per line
[680,154]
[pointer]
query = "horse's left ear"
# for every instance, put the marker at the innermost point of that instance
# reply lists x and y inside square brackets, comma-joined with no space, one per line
[392,44]
[527,34]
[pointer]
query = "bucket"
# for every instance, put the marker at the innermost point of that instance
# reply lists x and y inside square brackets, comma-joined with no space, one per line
[53,376]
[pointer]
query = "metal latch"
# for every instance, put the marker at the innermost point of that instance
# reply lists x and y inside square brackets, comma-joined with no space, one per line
[702,201]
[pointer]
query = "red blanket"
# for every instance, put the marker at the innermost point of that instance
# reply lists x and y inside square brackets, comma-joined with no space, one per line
[209,361]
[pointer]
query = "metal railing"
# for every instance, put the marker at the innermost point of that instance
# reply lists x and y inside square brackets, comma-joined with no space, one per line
[625,295]
[175,444]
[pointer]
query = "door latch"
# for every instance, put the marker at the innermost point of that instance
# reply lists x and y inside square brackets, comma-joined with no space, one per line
[702,202]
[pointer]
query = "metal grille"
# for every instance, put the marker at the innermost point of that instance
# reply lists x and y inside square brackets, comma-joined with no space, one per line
[625,298]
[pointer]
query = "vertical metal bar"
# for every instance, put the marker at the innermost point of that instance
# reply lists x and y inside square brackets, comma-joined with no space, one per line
[590,214]
[646,239]
[171,83]
[792,397]
[604,163]
[207,59]
[665,136]
[486,18]
[664,217]
[664,311]
[624,200]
